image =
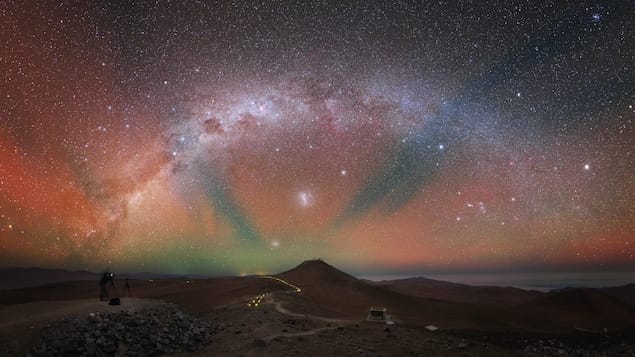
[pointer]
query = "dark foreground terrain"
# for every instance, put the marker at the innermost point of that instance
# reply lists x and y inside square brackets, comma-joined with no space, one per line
[313,309]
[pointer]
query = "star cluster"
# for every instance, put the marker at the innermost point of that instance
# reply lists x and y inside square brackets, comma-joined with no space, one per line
[243,137]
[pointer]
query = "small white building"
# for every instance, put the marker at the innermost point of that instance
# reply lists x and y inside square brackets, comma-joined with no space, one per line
[378,314]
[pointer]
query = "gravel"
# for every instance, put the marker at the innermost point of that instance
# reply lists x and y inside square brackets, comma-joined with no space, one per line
[149,332]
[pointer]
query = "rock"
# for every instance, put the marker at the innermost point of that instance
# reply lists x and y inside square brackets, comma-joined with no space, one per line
[122,350]
[91,348]
[259,343]
[109,348]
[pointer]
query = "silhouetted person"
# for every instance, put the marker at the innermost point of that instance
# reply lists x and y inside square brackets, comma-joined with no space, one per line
[103,291]
[128,287]
[103,285]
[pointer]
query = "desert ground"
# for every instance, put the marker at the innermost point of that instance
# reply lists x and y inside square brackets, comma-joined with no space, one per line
[313,309]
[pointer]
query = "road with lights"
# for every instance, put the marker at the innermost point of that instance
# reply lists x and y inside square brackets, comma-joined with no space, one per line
[257,300]
[267,298]
[295,288]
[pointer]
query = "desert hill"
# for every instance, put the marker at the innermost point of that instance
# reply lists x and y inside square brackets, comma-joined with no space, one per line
[310,272]
[331,292]
[193,295]
[417,301]
[577,308]
[463,293]
[625,292]
[15,278]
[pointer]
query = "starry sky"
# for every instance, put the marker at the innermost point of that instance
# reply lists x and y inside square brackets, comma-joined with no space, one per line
[239,137]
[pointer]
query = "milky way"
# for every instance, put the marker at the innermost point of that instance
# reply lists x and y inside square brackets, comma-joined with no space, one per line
[244,137]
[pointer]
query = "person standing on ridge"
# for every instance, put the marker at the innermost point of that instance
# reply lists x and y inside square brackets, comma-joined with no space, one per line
[127,289]
[103,285]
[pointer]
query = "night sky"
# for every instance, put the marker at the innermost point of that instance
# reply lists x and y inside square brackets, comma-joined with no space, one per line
[244,137]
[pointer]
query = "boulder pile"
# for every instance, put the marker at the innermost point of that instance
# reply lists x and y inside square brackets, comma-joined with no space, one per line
[148,332]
